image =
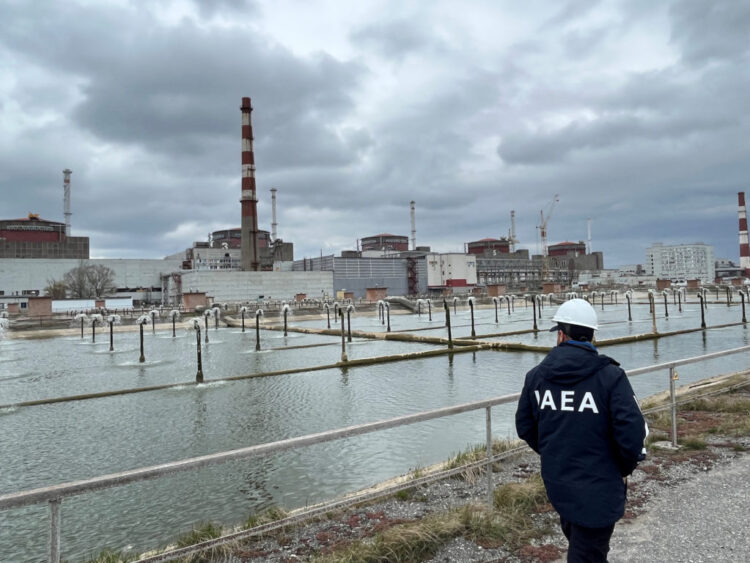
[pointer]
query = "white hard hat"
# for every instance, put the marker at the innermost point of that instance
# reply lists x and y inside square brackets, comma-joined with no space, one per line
[577,312]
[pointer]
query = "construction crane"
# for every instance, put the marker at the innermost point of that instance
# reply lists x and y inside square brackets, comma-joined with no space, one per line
[543,234]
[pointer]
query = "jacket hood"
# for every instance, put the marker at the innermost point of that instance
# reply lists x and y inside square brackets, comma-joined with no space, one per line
[567,363]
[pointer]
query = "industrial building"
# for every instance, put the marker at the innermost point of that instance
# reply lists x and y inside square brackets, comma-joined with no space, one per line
[493,246]
[681,262]
[223,251]
[385,242]
[32,237]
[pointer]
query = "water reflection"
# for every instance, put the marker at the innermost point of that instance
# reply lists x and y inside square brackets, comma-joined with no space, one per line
[52,444]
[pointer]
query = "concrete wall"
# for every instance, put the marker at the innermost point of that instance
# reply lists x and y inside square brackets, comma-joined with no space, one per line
[238,286]
[18,275]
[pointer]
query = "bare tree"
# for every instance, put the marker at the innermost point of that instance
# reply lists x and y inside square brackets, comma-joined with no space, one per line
[56,289]
[101,280]
[76,281]
[88,280]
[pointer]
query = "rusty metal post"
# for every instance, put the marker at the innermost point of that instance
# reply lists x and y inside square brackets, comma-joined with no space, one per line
[448,323]
[199,373]
[142,358]
[471,306]
[673,399]
[490,492]
[54,530]
[343,338]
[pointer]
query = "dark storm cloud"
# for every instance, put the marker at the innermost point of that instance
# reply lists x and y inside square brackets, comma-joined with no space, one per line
[707,31]
[152,89]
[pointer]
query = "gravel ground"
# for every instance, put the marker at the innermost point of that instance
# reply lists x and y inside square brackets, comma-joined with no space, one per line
[702,519]
[684,506]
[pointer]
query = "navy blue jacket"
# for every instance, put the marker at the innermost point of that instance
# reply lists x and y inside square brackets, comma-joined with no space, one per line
[578,411]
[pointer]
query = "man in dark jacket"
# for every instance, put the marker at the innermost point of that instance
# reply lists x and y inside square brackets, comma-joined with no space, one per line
[578,412]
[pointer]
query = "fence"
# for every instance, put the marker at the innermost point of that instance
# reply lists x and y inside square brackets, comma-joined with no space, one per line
[56,493]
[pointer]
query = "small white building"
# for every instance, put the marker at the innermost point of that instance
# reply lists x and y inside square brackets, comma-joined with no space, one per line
[681,262]
[451,270]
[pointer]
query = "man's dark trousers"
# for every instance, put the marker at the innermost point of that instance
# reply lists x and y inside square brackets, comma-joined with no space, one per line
[586,545]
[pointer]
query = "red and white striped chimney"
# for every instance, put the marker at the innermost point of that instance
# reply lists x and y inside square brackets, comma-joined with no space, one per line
[66,199]
[249,200]
[744,247]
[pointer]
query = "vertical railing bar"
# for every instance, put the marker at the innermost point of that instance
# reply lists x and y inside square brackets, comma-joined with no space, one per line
[490,495]
[673,400]
[54,530]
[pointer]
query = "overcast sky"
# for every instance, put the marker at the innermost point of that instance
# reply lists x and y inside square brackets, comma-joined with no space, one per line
[637,113]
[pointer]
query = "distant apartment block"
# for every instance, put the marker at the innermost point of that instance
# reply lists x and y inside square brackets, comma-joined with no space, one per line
[681,262]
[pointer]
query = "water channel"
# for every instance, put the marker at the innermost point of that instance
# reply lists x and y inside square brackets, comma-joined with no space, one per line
[55,443]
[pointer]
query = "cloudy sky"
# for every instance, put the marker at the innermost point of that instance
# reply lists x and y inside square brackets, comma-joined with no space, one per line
[637,113]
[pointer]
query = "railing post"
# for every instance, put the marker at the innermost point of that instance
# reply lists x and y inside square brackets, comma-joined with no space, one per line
[673,399]
[490,492]
[54,530]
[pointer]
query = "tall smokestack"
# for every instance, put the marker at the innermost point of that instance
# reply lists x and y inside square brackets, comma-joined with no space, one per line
[512,230]
[66,199]
[274,224]
[588,225]
[413,226]
[249,201]
[744,248]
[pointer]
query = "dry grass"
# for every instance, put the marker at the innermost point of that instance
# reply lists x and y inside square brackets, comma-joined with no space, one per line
[510,524]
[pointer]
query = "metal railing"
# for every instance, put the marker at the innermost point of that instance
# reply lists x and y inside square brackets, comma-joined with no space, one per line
[54,494]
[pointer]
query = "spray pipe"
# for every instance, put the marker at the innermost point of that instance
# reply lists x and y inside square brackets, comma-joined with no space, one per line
[471,307]
[82,317]
[495,301]
[349,311]
[343,339]
[679,299]
[258,315]
[533,313]
[703,318]
[666,309]
[419,307]
[206,315]
[448,323]
[509,301]
[112,320]
[243,311]
[197,328]
[174,315]
[429,310]
[387,314]
[327,307]
[652,305]
[153,314]
[142,320]
[742,297]
[628,297]
[217,313]
[285,311]
[94,319]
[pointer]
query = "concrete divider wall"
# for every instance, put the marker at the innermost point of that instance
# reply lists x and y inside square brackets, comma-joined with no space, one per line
[237,286]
